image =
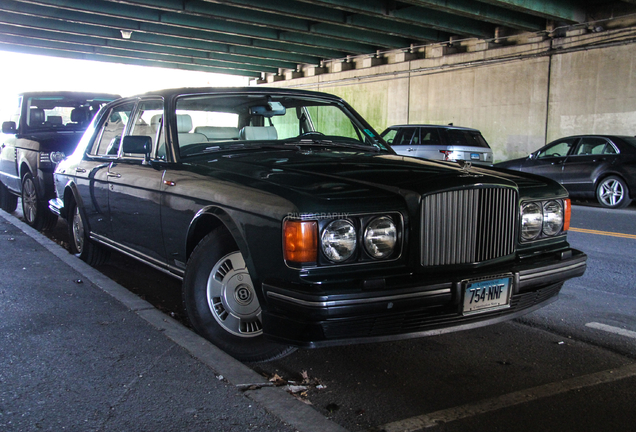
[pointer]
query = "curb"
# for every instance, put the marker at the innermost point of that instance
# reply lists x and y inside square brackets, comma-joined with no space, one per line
[275,400]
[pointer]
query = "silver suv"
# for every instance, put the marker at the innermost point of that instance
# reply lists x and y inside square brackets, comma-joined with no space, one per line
[449,142]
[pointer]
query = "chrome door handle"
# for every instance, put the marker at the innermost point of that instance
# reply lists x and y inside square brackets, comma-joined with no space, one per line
[113,174]
[410,149]
[80,170]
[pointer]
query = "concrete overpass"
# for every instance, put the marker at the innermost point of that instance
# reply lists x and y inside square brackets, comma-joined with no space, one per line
[522,71]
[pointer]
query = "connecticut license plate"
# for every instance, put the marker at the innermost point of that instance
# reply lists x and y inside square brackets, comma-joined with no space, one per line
[485,295]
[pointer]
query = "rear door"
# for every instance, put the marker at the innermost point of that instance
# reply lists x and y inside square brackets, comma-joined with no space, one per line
[134,195]
[591,157]
[91,174]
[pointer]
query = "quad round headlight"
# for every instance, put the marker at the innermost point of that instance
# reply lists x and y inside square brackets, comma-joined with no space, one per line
[531,221]
[553,217]
[380,237]
[339,240]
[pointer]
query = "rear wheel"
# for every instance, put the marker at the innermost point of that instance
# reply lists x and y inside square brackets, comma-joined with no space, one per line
[8,201]
[34,208]
[80,245]
[221,301]
[612,192]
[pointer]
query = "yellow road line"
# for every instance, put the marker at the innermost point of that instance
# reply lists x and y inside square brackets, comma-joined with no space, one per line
[606,233]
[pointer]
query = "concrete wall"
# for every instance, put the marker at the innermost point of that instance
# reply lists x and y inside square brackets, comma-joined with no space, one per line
[519,96]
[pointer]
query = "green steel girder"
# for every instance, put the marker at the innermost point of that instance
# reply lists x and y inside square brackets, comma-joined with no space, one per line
[572,11]
[109,9]
[291,52]
[369,15]
[486,13]
[249,55]
[478,14]
[112,38]
[26,49]
[113,51]
[293,16]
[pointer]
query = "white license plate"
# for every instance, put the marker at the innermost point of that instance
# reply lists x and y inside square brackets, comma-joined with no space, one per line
[485,295]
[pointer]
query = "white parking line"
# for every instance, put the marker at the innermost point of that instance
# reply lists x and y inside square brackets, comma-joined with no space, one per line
[425,421]
[611,329]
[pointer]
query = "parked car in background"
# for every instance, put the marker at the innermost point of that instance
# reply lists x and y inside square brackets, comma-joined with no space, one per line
[44,128]
[589,166]
[292,223]
[450,143]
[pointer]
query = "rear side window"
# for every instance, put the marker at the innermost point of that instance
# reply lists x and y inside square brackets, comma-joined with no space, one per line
[112,129]
[465,138]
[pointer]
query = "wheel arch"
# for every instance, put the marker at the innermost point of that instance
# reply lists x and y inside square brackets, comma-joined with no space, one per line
[607,174]
[71,193]
[209,219]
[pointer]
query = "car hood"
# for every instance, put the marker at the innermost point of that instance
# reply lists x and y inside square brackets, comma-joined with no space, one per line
[333,175]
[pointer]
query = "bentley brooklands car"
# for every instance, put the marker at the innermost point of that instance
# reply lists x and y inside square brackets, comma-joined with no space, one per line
[291,223]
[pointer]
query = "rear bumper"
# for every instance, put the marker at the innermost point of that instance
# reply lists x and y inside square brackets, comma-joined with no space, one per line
[415,310]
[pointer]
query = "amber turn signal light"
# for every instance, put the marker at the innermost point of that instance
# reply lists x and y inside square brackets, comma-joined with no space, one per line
[301,241]
[568,211]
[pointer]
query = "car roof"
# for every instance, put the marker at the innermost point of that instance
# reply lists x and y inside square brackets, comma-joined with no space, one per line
[433,126]
[169,93]
[71,94]
[596,136]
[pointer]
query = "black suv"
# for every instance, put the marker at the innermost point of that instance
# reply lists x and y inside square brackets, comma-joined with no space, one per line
[44,128]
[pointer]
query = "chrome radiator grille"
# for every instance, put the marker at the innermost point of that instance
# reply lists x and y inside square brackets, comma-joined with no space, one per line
[468,226]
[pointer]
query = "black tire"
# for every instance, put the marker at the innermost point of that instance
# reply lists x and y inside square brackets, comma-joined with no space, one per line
[612,192]
[8,201]
[79,243]
[221,301]
[35,208]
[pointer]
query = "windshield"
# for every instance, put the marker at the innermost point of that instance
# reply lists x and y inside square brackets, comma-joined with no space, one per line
[212,123]
[54,113]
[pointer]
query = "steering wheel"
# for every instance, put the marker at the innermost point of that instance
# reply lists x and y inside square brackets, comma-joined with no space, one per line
[555,155]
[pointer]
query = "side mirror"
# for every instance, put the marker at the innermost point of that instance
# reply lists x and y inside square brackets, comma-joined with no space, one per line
[9,128]
[137,145]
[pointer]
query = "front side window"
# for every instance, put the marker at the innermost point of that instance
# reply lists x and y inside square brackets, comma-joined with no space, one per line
[112,129]
[557,149]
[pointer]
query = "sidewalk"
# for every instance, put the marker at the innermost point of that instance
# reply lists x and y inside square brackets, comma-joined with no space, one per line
[79,352]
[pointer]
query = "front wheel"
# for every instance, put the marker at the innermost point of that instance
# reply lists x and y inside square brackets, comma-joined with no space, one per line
[34,207]
[221,302]
[612,192]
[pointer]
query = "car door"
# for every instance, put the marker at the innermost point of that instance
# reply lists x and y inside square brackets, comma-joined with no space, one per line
[91,173]
[548,161]
[591,157]
[134,195]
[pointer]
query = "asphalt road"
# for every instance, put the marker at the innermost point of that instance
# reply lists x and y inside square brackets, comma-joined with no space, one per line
[570,366]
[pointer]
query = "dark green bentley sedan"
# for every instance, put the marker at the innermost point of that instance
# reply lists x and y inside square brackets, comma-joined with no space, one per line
[292,223]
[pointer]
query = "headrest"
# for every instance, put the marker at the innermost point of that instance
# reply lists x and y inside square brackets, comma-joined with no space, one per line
[155,121]
[80,115]
[258,133]
[218,133]
[184,123]
[36,117]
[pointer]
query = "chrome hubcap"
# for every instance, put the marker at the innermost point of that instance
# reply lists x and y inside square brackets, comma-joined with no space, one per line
[232,299]
[29,200]
[611,192]
[78,231]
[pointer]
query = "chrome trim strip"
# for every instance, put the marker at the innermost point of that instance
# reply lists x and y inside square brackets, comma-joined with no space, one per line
[356,301]
[156,264]
[530,276]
